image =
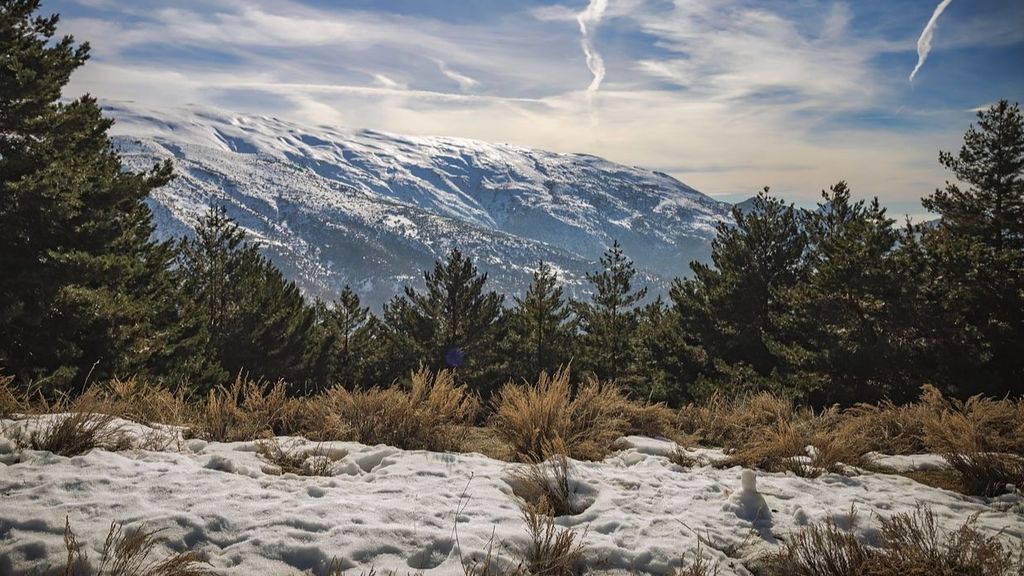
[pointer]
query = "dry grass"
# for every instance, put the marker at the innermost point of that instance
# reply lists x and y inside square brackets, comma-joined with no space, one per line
[910,544]
[700,566]
[295,458]
[547,485]
[12,400]
[245,410]
[939,424]
[126,553]
[533,419]
[145,403]
[69,427]
[721,421]
[988,473]
[551,551]
[432,414]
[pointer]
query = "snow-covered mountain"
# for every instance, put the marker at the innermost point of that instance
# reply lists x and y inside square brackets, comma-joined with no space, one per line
[334,206]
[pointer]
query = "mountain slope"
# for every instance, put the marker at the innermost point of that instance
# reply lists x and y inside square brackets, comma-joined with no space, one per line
[333,206]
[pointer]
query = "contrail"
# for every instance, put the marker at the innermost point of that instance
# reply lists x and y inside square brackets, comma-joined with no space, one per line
[588,20]
[924,43]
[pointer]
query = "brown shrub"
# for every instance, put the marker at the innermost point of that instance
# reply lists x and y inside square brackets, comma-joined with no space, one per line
[987,473]
[145,403]
[245,410]
[11,400]
[939,424]
[295,458]
[721,421]
[536,419]
[432,414]
[910,544]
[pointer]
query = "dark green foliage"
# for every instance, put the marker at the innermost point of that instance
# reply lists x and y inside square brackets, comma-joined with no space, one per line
[732,309]
[258,322]
[609,321]
[355,336]
[663,364]
[83,290]
[453,323]
[851,316]
[973,303]
[540,328]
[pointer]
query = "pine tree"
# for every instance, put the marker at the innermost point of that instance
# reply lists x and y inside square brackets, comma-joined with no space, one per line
[731,310]
[540,327]
[851,316]
[663,364]
[453,323]
[84,292]
[354,331]
[258,322]
[973,303]
[991,164]
[608,322]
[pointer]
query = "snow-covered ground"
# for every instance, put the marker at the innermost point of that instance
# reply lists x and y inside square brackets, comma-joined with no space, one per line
[394,509]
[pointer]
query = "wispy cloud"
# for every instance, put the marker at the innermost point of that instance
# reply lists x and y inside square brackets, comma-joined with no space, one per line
[588,21]
[465,82]
[924,42]
[729,95]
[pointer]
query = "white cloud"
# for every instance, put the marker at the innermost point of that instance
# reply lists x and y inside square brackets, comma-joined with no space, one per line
[731,97]
[924,42]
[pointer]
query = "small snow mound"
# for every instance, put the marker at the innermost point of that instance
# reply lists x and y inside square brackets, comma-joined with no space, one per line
[7,446]
[748,504]
[220,463]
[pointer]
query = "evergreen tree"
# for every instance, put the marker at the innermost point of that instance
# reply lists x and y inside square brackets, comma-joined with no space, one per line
[663,364]
[258,322]
[84,291]
[540,327]
[991,164]
[453,323]
[609,321]
[851,316]
[731,310]
[354,331]
[972,306]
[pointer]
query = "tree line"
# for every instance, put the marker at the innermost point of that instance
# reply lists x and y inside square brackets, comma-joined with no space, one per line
[835,304]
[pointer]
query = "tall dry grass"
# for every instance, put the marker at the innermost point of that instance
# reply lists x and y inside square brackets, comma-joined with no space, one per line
[244,410]
[547,416]
[910,544]
[433,413]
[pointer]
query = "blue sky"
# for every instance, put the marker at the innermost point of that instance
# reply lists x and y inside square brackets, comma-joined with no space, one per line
[727,95]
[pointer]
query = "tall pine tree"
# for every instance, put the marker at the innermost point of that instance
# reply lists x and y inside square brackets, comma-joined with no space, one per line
[454,323]
[540,330]
[851,316]
[973,303]
[609,321]
[731,309]
[258,322]
[355,334]
[83,290]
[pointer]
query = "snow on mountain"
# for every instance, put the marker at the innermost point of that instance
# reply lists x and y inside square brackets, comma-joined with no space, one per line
[334,206]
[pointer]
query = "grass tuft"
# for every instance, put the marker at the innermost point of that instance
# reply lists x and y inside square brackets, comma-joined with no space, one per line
[533,419]
[910,544]
[432,414]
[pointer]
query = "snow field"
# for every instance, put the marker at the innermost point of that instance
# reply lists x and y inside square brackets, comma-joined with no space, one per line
[396,510]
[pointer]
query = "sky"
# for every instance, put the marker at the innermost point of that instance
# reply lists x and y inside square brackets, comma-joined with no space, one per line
[729,96]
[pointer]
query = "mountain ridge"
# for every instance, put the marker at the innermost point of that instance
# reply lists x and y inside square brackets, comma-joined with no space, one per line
[334,206]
